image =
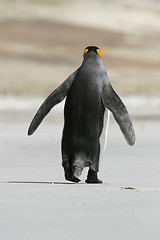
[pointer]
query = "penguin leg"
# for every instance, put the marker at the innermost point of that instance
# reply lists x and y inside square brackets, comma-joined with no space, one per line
[92,177]
[67,162]
[94,168]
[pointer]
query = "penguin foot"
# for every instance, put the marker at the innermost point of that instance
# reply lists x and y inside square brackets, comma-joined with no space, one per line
[92,177]
[93,181]
[69,176]
[72,179]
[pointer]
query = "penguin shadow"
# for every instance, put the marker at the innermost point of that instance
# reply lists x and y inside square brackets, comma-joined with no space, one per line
[45,182]
[37,182]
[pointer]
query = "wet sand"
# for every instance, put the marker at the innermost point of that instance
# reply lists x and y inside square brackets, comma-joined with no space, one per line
[37,203]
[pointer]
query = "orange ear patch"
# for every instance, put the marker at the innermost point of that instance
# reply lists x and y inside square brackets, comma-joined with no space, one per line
[85,51]
[99,52]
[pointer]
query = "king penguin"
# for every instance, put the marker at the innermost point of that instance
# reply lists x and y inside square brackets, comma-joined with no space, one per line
[89,97]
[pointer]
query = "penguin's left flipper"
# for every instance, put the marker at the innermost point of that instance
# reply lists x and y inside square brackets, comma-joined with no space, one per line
[54,98]
[113,102]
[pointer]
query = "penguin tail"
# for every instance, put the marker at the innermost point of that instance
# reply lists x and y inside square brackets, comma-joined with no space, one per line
[78,167]
[79,164]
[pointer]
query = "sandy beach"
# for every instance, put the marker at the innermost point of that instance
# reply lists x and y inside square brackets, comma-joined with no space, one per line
[37,203]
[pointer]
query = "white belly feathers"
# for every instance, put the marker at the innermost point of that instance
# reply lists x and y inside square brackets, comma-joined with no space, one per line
[103,137]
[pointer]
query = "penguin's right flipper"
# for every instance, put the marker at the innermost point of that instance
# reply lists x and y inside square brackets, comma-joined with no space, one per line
[112,101]
[54,98]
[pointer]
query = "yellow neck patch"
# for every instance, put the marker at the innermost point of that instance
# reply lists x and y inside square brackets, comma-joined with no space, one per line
[99,52]
[85,51]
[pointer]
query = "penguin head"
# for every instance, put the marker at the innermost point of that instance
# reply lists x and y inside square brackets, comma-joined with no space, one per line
[92,49]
